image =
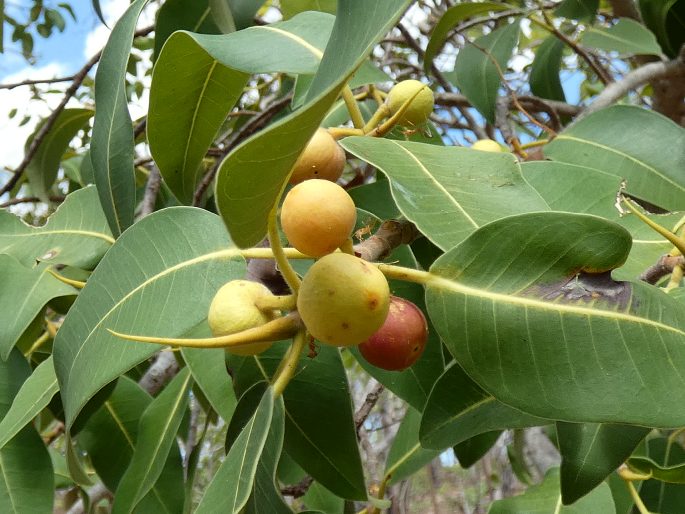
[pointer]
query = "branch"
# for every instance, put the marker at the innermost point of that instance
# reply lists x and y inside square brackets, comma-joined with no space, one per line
[95,494]
[663,267]
[160,372]
[637,77]
[154,181]
[390,235]
[531,103]
[237,137]
[29,199]
[50,121]
[34,82]
[368,405]
[625,9]
[298,490]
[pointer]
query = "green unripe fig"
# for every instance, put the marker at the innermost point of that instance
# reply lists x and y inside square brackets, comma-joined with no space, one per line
[400,341]
[318,216]
[343,299]
[420,107]
[323,158]
[487,145]
[233,310]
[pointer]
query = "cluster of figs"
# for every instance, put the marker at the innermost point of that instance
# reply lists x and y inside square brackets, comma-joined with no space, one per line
[343,300]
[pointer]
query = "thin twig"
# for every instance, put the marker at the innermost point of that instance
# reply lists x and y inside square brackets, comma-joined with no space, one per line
[50,121]
[160,372]
[368,405]
[154,181]
[664,266]
[29,199]
[35,82]
[299,489]
[252,126]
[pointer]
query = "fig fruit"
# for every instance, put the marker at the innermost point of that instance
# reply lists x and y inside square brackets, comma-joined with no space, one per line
[400,341]
[317,216]
[233,310]
[322,158]
[343,299]
[420,107]
[487,145]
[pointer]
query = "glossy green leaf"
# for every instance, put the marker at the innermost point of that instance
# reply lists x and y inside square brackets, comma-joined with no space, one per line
[472,450]
[528,308]
[448,192]
[545,498]
[43,167]
[670,474]
[376,198]
[320,498]
[578,9]
[76,234]
[626,37]
[156,437]
[319,429]
[119,418]
[245,213]
[658,496]
[290,8]
[111,149]
[590,452]
[567,187]
[230,488]
[37,288]
[185,115]
[169,266]
[191,15]
[406,456]
[452,17]
[475,72]
[644,151]
[266,494]
[544,72]
[665,19]
[459,409]
[209,371]
[33,396]
[413,384]
[26,477]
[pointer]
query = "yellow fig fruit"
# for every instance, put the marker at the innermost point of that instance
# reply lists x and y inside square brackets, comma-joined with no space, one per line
[343,299]
[487,145]
[233,310]
[318,216]
[420,107]
[323,158]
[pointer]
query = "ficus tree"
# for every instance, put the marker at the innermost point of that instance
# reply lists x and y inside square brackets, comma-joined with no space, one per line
[505,242]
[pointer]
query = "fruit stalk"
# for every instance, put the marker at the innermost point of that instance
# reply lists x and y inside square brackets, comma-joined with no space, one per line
[352,107]
[289,363]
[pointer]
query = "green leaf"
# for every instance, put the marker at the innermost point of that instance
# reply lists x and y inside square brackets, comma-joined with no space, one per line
[76,234]
[320,498]
[290,8]
[230,488]
[665,19]
[244,212]
[413,384]
[448,192]
[578,9]
[319,428]
[36,287]
[472,450]
[670,474]
[43,167]
[156,436]
[626,37]
[459,409]
[545,498]
[191,15]
[528,308]
[35,394]
[651,165]
[119,418]
[658,496]
[266,495]
[544,72]
[222,16]
[26,477]
[111,149]
[406,456]
[209,371]
[185,115]
[452,17]
[590,452]
[169,265]
[475,72]
[567,187]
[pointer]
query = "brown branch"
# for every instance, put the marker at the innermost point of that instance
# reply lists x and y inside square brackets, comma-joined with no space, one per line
[154,181]
[29,199]
[35,82]
[368,405]
[531,103]
[237,137]
[625,9]
[298,490]
[390,235]
[50,120]
[160,372]
[664,266]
